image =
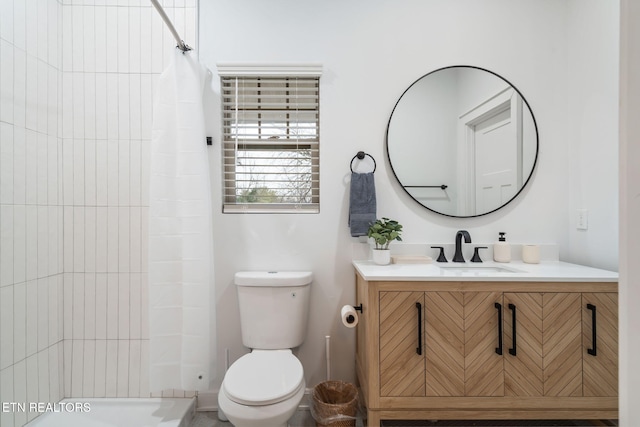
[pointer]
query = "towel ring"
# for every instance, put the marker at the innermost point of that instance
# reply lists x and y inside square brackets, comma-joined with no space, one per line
[360,156]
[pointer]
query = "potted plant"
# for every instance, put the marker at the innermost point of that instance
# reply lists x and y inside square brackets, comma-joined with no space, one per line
[384,231]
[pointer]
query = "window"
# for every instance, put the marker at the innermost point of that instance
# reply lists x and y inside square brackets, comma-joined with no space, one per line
[270,138]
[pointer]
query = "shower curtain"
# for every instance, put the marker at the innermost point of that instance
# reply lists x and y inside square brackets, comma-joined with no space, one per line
[180,238]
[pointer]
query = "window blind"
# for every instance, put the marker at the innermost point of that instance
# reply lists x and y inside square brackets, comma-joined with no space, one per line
[270,144]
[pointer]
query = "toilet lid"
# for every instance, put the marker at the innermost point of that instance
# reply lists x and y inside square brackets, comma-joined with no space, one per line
[264,377]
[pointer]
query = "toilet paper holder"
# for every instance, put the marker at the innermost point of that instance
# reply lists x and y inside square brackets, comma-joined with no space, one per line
[358,307]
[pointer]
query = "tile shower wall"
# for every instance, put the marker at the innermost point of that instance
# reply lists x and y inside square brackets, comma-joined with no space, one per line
[77,79]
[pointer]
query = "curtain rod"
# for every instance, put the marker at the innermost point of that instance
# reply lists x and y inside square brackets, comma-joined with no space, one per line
[181,45]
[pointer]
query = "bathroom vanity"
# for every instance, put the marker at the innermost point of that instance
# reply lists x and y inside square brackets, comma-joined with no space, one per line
[512,341]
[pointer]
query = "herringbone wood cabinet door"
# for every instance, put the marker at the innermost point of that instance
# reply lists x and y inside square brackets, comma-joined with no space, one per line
[523,371]
[562,345]
[402,369]
[484,371]
[600,372]
[444,345]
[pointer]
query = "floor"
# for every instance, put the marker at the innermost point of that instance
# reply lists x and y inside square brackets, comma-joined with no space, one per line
[303,418]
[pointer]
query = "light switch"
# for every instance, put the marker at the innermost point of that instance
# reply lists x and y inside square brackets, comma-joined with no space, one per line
[583,219]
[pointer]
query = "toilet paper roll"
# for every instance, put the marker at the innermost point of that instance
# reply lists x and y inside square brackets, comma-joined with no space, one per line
[349,316]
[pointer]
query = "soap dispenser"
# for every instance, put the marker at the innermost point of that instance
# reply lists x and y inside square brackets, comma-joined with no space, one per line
[502,249]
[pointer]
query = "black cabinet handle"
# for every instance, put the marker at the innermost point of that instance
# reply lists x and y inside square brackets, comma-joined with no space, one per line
[419,348]
[499,308]
[592,351]
[512,351]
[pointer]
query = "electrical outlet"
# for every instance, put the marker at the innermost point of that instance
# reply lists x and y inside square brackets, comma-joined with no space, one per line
[583,219]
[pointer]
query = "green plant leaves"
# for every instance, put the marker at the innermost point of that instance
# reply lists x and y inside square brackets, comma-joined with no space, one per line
[384,231]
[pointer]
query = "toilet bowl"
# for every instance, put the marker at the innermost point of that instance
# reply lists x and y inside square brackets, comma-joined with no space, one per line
[262,389]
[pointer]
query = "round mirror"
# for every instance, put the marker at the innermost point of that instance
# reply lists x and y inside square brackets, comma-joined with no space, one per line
[462,141]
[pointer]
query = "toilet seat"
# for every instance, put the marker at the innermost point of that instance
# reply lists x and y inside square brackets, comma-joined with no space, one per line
[264,377]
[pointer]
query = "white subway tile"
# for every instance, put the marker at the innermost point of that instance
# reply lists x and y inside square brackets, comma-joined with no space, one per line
[41,30]
[66,104]
[144,306]
[145,162]
[7,395]
[19,87]
[124,118]
[157,44]
[122,35]
[124,239]
[111,371]
[67,171]
[145,39]
[61,371]
[135,304]
[6,83]
[61,307]
[146,105]
[135,106]
[32,318]
[31,166]
[89,306]
[112,47]
[123,305]
[77,367]
[90,190]
[123,173]
[112,306]
[32,383]
[101,306]
[67,38]
[67,365]
[31,94]
[43,375]
[144,239]
[19,321]
[88,375]
[6,327]
[6,245]
[42,173]
[6,163]
[43,241]
[101,239]
[112,239]
[53,174]
[78,172]
[89,40]
[101,106]
[77,42]
[144,368]
[68,306]
[112,106]
[90,241]
[78,105]
[53,28]
[101,36]
[89,111]
[43,96]
[78,239]
[135,239]
[78,306]
[43,313]
[53,239]
[19,24]
[32,242]
[134,42]
[134,368]
[31,16]
[20,389]
[123,369]
[102,173]
[19,243]
[100,369]
[68,238]
[53,310]
[54,374]
[52,101]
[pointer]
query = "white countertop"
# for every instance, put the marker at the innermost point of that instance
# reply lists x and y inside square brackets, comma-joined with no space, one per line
[516,271]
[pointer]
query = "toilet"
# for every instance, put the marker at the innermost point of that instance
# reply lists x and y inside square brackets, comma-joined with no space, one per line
[265,387]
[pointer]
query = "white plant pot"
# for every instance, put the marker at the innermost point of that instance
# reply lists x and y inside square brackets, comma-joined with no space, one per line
[381,256]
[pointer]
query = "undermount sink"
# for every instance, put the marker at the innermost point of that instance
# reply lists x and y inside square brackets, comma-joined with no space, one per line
[477,269]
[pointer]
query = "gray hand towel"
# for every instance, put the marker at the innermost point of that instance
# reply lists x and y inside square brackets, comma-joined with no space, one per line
[362,203]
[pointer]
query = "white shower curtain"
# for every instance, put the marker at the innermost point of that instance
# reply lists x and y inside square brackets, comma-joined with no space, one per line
[180,239]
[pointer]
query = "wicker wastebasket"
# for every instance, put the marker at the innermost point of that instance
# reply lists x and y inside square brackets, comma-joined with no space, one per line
[335,404]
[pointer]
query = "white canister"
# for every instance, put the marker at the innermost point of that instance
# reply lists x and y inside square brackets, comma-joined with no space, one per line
[381,256]
[531,254]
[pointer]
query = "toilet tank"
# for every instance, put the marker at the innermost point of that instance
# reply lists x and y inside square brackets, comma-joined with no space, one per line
[274,308]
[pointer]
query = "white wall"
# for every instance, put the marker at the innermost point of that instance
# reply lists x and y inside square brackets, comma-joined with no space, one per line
[592,54]
[371,52]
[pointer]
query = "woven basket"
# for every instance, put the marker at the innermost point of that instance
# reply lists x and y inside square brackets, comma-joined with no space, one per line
[332,399]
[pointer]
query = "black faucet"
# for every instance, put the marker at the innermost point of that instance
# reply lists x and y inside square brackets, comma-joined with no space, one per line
[457,257]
